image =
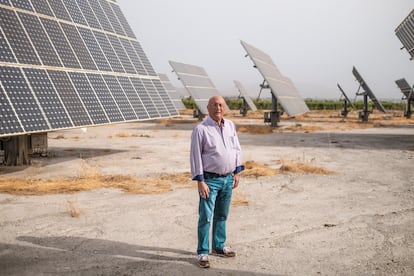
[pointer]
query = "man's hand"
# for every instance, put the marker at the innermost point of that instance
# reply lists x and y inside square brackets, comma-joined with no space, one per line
[236,180]
[203,189]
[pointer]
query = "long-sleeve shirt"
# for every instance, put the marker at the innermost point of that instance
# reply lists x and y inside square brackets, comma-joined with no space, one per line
[214,149]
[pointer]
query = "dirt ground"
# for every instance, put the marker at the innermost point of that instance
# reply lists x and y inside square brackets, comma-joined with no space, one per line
[357,220]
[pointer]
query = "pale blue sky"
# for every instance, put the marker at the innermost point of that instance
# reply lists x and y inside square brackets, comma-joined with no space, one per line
[313,42]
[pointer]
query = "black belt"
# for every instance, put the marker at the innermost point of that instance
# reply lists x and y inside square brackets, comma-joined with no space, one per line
[212,175]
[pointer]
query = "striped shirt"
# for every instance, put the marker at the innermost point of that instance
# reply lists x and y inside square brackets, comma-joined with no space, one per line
[214,149]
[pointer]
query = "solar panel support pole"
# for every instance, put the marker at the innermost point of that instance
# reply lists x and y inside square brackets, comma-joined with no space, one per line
[410,100]
[363,115]
[243,109]
[273,117]
[345,111]
[198,114]
[16,150]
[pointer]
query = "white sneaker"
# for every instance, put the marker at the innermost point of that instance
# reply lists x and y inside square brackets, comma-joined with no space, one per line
[203,260]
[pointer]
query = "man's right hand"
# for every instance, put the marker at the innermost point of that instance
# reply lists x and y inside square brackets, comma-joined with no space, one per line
[203,189]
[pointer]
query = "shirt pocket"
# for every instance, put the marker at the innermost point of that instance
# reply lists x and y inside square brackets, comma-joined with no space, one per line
[233,142]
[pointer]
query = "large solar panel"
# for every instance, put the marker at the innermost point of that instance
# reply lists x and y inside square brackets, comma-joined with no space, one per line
[367,90]
[197,82]
[73,63]
[282,87]
[245,95]
[175,96]
[405,33]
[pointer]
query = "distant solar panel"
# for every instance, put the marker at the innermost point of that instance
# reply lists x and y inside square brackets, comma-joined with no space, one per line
[345,96]
[405,33]
[245,95]
[171,91]
[282,87]
[404,87]
[73,63]
[197,82]
[367,90]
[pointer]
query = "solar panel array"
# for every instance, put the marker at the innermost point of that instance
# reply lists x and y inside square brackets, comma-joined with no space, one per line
[282,87]
[172,92]
[245,95]
[405,33]
[367,90]
[197,82]
[404,87]
[73,63]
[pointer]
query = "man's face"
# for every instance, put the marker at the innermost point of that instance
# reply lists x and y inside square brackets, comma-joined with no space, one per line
[216,108]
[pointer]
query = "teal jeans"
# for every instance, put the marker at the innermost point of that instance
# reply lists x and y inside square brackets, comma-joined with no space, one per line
[217,206]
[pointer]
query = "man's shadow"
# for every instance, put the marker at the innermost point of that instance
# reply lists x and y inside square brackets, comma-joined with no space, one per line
[83,256]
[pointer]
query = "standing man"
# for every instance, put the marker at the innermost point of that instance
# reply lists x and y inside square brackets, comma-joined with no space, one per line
[216,163]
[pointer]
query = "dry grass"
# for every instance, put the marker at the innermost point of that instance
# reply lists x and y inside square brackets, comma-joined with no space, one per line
[73,210]
[255,169]
[91,178]
[255,129]
[293,167]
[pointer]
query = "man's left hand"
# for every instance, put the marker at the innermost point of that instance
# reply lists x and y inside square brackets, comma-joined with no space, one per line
[236,180]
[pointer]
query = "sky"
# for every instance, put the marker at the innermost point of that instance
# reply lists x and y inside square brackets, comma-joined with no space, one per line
[315,43]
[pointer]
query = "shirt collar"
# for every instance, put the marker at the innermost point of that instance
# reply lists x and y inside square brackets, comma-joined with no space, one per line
[214,123]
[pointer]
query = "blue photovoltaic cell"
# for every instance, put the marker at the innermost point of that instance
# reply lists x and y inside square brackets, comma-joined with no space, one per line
[17,38]
[143,57]
[6,54]
[42,6]
[133,97]
[9,122]
[22,99]
[109,52]
[105,97]
[94,48]
[40,40]
[70,98]
[78,46]
[88,14]
[111,17]
[119,50]
[156,99]
[22,4]
[120,97]
[89,98]
[133,56]
[61,44]
[122,20]
[165,97]
[145,98]
[74,12]
[47,97]
[59,10]
[100,14]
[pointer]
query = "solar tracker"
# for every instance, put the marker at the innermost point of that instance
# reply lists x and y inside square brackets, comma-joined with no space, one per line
[245,95]
[175,96]
[405,33]
[408,92]
[367,90]
[345,96]
[73,63]
[405,88]
[197,82]
[282,87]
